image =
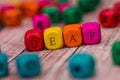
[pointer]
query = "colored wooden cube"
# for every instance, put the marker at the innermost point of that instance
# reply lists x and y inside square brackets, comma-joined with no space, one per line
[81,66]
[30,9]
[53,13]
[72,15]
[88,5]
[53,38]
[41,21]
[63,7]
[28,65]
[72,35]
[109,18]
[34,40]
[91,33]
[63,1]
[3,65]
[7,7]
[12,17]
[116,53]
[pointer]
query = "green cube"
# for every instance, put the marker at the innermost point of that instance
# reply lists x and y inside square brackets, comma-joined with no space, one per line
[63,1]
[116,53]
[88,5]
[53,13]
[72,15]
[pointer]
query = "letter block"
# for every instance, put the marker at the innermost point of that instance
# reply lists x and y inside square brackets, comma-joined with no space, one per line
[28,65]
[53,38]
[34,40]
[81,65]
[12,17]
[53,13]
[91,33]
[72,35]
[116,53]
[109,18]
[30,9]
[72,15]
[3,65]
[41,21]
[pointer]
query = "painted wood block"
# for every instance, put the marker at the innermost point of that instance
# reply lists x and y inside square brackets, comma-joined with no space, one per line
[72,35]
[34,40]
[28,65]
[109,18]
[81,66]
[3,65]
[53,38]
[91,33]
[12,17]
[53,13]
[41,22]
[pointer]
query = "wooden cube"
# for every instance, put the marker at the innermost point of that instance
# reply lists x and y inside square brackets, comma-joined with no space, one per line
[72,35]
[91,33]
[34,40]
[3,65]
[12,17]
[53,38]
[28,65]
[30,9]
[41,21]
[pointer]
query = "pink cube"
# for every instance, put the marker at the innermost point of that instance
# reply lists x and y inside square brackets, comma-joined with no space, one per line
[41,21]
[7,7]
[91,33]
[63,6]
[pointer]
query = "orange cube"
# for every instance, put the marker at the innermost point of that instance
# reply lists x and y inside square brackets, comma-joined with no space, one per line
[73,35]
[12,17]
[30,9]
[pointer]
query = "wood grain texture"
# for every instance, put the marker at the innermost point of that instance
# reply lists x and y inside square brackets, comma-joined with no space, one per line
[54,62]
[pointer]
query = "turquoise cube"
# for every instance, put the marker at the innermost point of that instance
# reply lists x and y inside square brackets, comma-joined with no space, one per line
[72,15]
[53,13]
[28,65]
[116,53]
[81,66]
[3,65]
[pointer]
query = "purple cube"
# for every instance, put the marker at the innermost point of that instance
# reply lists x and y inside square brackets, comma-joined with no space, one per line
[6,7]
[91,33]
[63,6]
[41,21]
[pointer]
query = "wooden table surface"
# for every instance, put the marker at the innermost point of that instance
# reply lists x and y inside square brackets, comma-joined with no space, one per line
[54,62]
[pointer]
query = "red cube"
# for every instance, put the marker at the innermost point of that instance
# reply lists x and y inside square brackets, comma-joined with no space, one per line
[109,18]
[34,40]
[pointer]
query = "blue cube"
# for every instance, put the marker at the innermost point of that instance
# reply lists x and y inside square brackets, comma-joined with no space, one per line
[3,65]
[28,65]
[81,66]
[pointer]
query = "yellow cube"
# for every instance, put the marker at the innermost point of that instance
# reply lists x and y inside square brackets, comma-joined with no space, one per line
[53,38]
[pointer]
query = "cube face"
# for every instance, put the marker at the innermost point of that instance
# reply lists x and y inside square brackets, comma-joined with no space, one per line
[30,8]
[34,40]
[12,17]
[53,13]
[53,38]
[109,18]
[91,33]
[88,5]
[72,15]
[116,53]
[41,21]
[3,65]
[28,65]
[63,7]
[81,66]
[72,35]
